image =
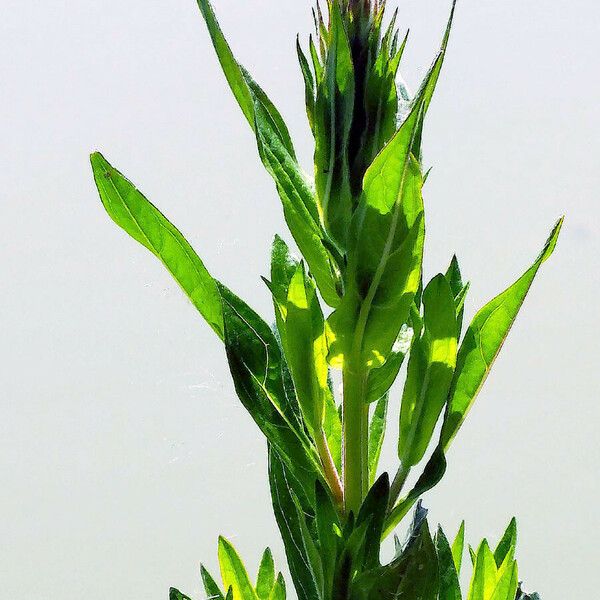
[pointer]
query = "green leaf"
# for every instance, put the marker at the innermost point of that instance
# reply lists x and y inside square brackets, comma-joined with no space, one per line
[485,574]
[303,558]
[483,341]
[327,526]
[432,474]
[373,511]
[449,584]
[506,546]
[334,109]
[299,208]
[332,427]
[508,581]
[430,369]
[266,575]
[381,379]
[459,290]
[210,586]
[255,363]
[177,595]
[234,573]
[244,88]
[306,348]
[131,211]
[376,436]
[458,546]
[278,591]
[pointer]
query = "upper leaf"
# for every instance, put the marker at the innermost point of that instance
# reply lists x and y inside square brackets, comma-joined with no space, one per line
[244,88]
[129,209]
[430,369]
[483,341]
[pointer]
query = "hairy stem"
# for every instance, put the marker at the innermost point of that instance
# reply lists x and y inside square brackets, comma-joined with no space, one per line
[356,435]
[330,471]
[397,485]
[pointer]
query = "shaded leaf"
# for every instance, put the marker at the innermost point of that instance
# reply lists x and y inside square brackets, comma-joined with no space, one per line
[506,546]
[303,559]
[449,584]
[210,585]
[299,207]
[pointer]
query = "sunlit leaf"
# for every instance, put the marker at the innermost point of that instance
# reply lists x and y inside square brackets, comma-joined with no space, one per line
[131,211]
[483,341]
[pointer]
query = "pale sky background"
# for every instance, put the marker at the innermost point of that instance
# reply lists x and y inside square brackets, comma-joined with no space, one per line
[123,449]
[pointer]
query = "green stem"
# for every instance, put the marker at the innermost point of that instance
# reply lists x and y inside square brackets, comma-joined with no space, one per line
[397,485]
[330,471]
[356,435]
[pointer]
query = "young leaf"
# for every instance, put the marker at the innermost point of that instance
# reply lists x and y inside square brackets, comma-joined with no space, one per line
[458,546]
[210,586]
[508,581]
[459,290]
[131,211]
[306,349]
[483,341]
[299,207]
[485,574]
[506,546]
[334,109]
[376,435]
[234,573]
[278,591]
[266,575]
[449,584]
[430,369]
[244,88]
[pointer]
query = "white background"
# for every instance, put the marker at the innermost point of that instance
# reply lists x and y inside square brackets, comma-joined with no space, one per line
[123,450]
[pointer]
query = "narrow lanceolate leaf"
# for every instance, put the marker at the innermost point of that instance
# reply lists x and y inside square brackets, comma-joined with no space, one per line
[210,585]
[508,543]
[483,341]
[234,573]
[244,88]
[266,576]
[131,211]
[508,582]
[376,436]
[255,363]
[299,208]
[430,369]
[449,584]
[458,546]
[306,348]
[333,119]
[303,559]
